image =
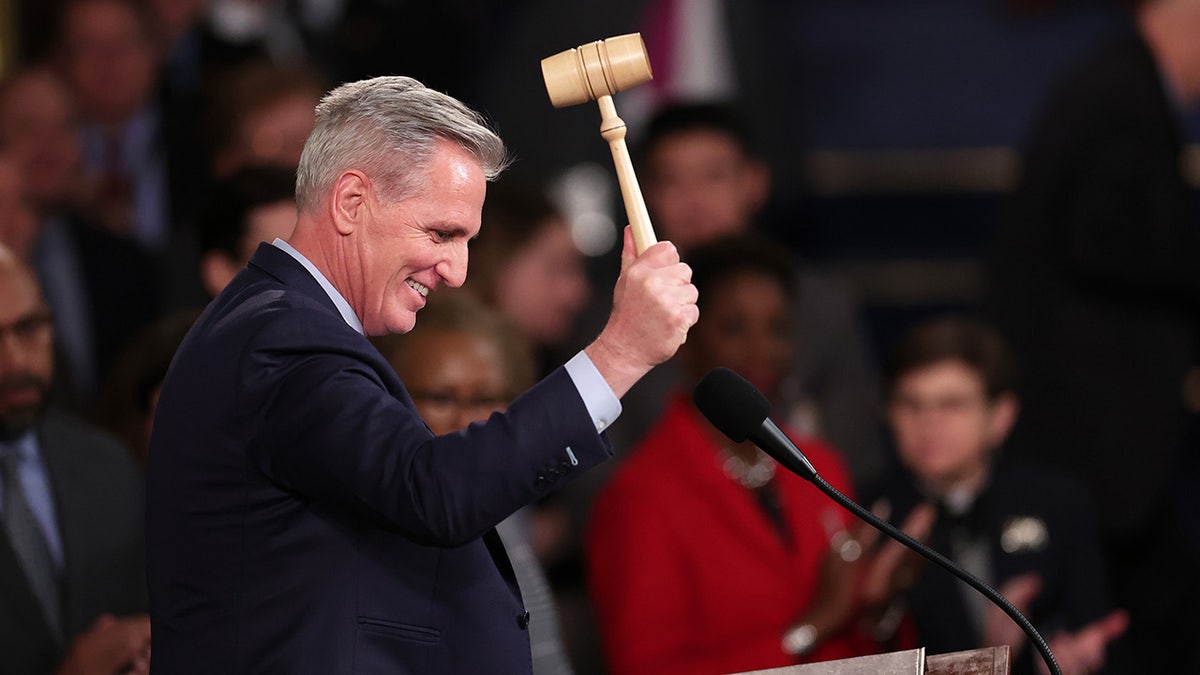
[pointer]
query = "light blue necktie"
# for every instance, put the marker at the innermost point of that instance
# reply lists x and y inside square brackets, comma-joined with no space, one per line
[28,541]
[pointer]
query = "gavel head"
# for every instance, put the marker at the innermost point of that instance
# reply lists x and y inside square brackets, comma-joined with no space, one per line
[596,69]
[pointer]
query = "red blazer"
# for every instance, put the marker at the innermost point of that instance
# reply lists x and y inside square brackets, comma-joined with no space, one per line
[686,571]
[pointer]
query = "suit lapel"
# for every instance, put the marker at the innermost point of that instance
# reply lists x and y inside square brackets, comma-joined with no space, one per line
[67,506]
[287,270]
[18,599]
[276,262]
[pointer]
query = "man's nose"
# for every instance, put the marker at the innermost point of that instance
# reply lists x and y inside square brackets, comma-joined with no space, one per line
[453,269]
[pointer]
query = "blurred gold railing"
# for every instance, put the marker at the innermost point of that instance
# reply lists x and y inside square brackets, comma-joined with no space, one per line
[983,169]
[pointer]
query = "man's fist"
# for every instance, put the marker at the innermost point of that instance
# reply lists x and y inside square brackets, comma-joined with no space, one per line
[654,305]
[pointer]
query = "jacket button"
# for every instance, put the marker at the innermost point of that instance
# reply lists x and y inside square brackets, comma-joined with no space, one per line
[523,620]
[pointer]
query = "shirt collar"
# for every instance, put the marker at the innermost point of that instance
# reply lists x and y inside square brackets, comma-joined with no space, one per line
[343,307]
[25,446]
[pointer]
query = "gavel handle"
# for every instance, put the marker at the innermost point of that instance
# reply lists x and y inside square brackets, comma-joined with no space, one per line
[612,128]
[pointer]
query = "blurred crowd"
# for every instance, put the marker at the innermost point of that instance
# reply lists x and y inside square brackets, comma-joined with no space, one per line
[1045,435]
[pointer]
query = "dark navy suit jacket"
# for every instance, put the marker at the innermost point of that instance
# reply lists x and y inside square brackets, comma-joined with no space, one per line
[97,493]
[303,519]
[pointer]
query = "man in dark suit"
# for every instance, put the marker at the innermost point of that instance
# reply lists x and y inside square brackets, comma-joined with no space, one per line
[71,507]
[302,517]
[1094,283]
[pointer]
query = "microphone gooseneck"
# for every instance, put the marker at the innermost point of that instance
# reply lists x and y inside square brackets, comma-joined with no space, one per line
[740,411]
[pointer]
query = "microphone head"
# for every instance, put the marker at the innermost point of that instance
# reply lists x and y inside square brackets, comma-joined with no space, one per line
[731,403]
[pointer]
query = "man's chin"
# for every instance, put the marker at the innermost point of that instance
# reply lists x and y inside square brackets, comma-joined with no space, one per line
[403,323]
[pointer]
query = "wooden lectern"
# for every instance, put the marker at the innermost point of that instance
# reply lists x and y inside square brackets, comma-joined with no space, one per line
[989,661]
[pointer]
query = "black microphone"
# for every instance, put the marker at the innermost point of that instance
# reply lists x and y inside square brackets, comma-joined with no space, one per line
[741,412]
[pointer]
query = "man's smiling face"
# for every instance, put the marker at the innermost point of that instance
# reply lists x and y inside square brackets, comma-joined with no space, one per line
[410,247]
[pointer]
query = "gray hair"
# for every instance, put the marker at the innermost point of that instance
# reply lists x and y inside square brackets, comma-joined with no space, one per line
[388,127]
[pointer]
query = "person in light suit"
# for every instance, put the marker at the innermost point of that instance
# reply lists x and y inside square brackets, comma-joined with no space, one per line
[302,518]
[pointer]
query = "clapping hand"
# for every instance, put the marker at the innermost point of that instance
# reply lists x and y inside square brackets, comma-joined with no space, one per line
[110,645]
[1078,653]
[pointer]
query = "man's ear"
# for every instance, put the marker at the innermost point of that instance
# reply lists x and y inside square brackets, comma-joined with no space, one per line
[348,203]
[1004,410]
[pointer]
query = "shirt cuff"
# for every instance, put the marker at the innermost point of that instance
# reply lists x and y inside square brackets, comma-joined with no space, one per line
[602,404]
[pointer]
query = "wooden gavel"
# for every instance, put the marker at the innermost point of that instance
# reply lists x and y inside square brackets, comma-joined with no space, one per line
[596,71]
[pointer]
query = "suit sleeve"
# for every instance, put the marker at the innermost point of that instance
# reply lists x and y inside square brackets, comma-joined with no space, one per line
[329,429]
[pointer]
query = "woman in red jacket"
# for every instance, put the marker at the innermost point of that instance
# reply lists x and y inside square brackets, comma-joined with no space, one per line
[703,557]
